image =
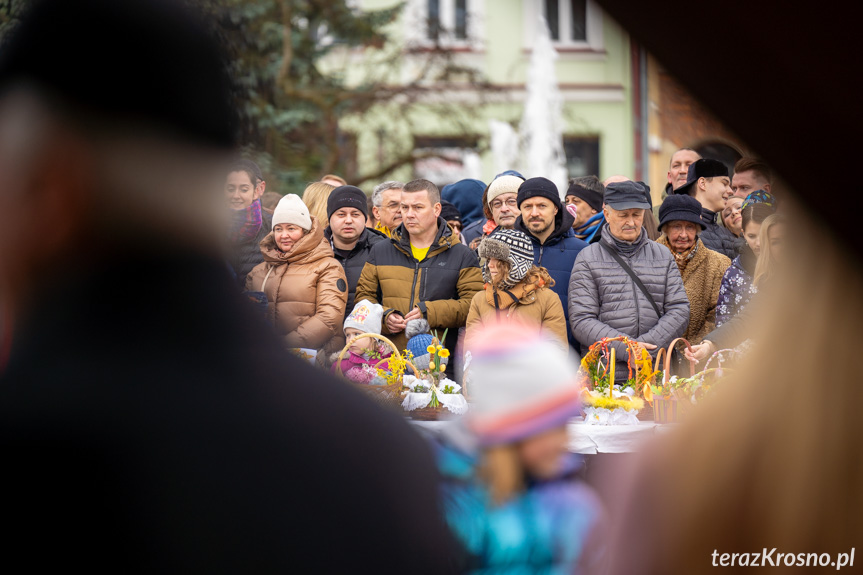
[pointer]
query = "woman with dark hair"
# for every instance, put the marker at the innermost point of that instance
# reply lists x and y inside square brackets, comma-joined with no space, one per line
[515,288]
[736,289]
[249,224]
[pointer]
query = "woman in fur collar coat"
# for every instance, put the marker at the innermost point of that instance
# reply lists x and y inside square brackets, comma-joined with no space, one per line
[515,288]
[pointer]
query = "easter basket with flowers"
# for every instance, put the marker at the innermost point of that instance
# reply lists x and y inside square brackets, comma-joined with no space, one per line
[430,394]
[607,403]
[384,386]
[674,398]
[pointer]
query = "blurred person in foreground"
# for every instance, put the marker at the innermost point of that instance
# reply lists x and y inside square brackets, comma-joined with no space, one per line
[148,422]
[509,481]
[514,288]
[771,462]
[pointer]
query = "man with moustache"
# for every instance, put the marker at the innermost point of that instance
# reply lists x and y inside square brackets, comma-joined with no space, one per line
[605,298]
[549,226]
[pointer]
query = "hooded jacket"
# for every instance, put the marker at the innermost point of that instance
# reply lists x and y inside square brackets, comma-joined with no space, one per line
[717,238]
[355,260]
[442,285]
[558,255]
[466,195]
[534,302]
[605,302]
[702,278]
[306,289]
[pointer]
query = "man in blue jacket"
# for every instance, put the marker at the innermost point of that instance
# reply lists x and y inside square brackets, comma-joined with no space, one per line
[549,226]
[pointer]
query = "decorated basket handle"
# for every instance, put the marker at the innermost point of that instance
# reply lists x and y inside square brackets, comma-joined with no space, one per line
[383,339]
[668,360]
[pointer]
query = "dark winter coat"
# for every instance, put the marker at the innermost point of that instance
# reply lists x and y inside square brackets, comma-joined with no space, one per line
[442,285]
[160,428]
[356,260]
[558,255]
[474,230]
[246,255]
[605,302]
[717,238]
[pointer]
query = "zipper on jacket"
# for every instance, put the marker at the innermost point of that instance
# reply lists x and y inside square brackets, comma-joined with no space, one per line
[539,263]
[414,286]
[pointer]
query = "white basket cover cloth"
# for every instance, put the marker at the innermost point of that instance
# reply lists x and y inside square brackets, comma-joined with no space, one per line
[455,402]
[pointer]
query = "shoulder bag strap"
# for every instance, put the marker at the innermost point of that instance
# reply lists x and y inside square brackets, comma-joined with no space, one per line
[634,277]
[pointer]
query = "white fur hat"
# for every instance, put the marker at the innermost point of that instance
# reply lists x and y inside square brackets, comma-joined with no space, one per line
[292,210]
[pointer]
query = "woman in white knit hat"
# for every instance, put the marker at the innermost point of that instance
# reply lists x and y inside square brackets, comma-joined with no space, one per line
[305,285]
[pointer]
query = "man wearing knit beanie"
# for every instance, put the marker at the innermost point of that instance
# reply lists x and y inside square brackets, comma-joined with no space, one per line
[586,195]
[348,235]
[503,190]
[549,227]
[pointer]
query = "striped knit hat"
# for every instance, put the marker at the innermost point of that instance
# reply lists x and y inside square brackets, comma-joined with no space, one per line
[511,246]
[522,384]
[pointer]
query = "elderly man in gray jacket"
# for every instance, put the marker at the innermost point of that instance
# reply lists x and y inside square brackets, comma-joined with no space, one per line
[605,298]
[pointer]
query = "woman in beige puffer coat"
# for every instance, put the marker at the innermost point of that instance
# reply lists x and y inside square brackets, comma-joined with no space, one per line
[305,285]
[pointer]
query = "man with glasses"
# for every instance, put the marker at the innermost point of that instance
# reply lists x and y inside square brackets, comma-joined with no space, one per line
[386,198]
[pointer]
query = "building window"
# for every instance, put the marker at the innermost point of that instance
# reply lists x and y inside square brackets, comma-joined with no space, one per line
[567,20]
[575,24]
[446,22]
[582,156]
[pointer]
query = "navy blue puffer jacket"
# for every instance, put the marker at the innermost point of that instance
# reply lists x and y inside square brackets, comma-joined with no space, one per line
[557,255]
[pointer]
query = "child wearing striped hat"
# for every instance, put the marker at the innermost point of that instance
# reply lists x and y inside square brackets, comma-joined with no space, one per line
[508,479]
[514,288]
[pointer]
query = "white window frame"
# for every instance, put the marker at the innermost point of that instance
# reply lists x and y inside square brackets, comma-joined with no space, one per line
[416,14]
[593,22]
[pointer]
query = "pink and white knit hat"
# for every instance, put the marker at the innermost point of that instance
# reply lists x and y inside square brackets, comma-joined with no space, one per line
[521,384]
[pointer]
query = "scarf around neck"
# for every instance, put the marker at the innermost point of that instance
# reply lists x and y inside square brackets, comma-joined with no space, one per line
[245,223]
[683,258]
[590,227]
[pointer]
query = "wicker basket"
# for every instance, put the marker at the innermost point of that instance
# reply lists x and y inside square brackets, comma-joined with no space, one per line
[645,413]
[671,409]
[385,395]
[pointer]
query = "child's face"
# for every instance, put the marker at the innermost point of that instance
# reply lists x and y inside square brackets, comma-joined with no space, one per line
[542,454]
[358,343]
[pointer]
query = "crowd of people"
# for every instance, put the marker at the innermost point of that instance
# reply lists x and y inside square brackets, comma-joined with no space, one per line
[614,264]
[150,421]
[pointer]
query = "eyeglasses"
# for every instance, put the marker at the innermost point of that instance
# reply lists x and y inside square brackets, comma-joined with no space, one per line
[498,204]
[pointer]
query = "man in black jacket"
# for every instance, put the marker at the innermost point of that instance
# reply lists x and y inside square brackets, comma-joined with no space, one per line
[708,182]
[351,240]
[148,421]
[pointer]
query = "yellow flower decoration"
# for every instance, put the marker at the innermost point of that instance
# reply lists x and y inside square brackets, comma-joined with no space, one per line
[430,349]
[431,365]
[444,353]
